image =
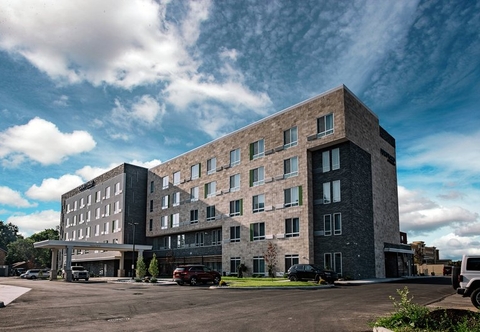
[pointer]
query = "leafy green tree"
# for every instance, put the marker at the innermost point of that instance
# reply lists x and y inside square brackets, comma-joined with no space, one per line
[21,250]
[153,268]
[8,234]
[141,269]
[43,256]
[48,234]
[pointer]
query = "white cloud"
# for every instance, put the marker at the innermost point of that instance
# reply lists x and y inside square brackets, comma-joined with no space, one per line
[88,172]
[453,246]
[41,141]
[420,215]
[29,224]
[11,197]
[62,101]
[146,164]
[52,189]
[145,110]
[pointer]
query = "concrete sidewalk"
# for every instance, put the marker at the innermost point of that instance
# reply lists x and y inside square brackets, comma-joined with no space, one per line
[10,293]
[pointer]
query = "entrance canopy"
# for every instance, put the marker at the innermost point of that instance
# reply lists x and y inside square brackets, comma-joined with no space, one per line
[57,244]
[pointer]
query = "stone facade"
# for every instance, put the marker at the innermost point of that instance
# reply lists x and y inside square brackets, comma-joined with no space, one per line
[364,192]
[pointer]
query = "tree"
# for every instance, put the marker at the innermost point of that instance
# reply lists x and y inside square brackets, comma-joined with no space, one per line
[44,256]
[141,268]
[48,234]
[270,258]
[153,268]
[21,250]
[8,234]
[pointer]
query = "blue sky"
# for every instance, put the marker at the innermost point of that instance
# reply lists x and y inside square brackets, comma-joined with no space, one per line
[87,85]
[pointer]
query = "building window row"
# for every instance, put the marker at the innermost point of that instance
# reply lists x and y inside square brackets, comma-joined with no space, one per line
[333,261]
[332,224]
[258,263]
[87,200]
[99,213]
[197,239]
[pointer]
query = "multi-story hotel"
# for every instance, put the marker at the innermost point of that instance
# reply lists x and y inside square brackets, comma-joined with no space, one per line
[317,180]
[100,216]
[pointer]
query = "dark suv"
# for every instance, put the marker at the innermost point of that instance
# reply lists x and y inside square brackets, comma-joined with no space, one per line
[193,274]
[311,272]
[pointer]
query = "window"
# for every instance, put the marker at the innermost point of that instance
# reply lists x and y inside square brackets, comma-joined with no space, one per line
[117,188]
[165,182]
[194,194]
[326,193]
[234,263]
[325,125]
[236,208]
[216,237]
[193,216]
[337,224]
[199,237]
[257,176]
[107,192]
[81,219]
[74,220]
[75,206]
[210,189]
[97,230]
[290,260]
[180,240]
[87,232]
[338,263]
[80,233]
[234,157]
[167,242]
[176,199]
[257,231]
[292,227]
[115,226]
[89,200]
[258,203]
[290,167]
[195,171]
[175,220]
[150,225]
[326,161]
[176,178]
[211,165]
[234,182]
[290,137]
[151,204]
[257,149]
[106,227]
[210,213]
[293,196]
[164,222]
[327,261]
[235,234]
[97,213]
[258,265]
[152,186]
[89,215]
[117,207]
[98,196]
[107,210]
[164,202]
[336,191]
[327,222]
[336,158]
[82,202]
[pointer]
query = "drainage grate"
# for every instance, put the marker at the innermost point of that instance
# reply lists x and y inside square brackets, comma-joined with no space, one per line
[120,319]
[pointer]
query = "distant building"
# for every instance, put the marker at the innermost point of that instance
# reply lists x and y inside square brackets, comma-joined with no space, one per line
[104,210]
[318,180]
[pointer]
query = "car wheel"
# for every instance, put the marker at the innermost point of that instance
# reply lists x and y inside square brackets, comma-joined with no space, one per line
[180,283]
[33,277]
[455,273]
[293,278]
[216,281]
[475,297]
[86,279]
[193,281]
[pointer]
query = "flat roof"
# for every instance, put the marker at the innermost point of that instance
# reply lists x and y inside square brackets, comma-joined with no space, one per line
[57,244]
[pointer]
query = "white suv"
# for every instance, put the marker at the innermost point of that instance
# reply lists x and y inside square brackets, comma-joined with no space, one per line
[466,280]
[35,273]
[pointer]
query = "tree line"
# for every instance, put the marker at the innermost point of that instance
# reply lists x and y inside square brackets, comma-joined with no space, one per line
[20,249]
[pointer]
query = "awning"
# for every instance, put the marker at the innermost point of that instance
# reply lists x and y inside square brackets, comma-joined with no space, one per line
[400,251]
[57,244]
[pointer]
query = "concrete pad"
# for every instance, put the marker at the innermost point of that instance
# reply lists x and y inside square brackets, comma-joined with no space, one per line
[9,293]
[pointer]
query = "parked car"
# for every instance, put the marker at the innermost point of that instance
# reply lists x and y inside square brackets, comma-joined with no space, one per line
[311,272]
[35,273]
[18,271]
[193,274]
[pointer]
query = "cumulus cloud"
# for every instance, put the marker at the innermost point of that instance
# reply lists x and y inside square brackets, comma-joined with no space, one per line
[420,215]
[144,110]
[35,222]
[453,246]
[13,198]
[62,101]
[88,172]
[95,44]
[41,141]
[146,164]
[52,189]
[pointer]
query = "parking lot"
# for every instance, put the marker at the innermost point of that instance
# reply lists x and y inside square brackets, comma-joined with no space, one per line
[96,305]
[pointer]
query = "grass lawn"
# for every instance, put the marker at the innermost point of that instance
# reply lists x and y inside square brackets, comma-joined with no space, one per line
[266,282]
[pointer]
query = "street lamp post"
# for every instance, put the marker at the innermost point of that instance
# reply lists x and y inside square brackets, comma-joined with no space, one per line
[134,224]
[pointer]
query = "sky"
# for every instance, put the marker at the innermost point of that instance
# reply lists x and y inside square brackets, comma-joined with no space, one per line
[88,85]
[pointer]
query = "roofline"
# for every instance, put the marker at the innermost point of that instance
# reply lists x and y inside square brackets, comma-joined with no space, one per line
[58,244]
